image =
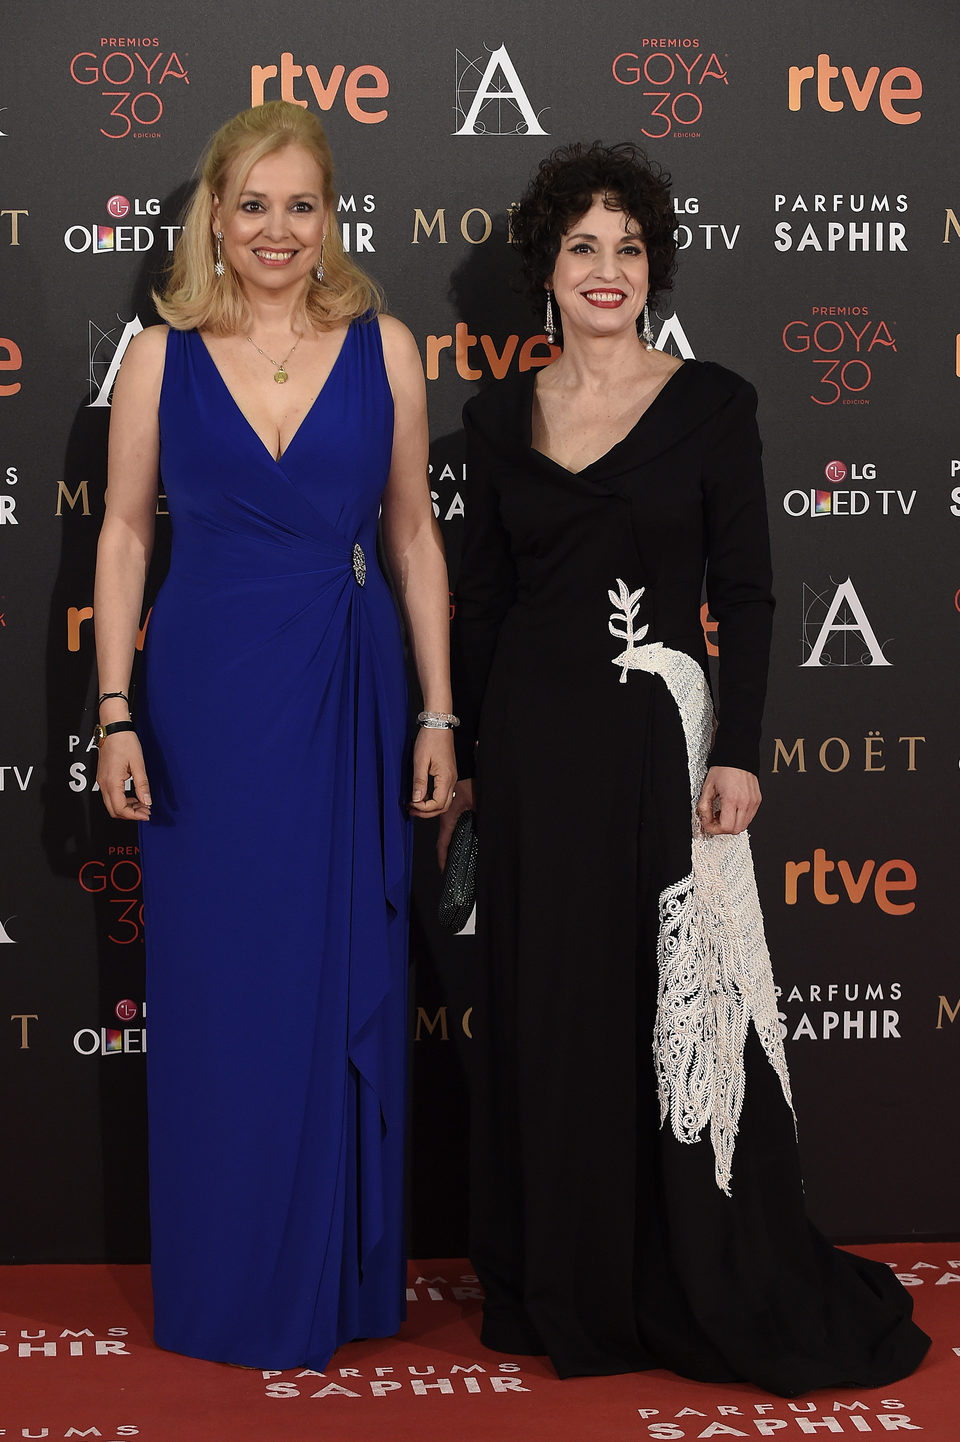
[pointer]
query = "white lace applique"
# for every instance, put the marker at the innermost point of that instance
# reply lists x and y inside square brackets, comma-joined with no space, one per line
[715,973]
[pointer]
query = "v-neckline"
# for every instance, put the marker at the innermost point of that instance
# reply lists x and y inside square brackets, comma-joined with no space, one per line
[307,413]
[610,449]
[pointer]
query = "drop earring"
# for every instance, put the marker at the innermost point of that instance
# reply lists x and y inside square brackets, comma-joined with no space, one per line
[319,271]
[647,331]
[550,329]
[219,267]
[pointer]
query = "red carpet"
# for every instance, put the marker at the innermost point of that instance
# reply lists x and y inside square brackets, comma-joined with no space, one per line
[76,1360]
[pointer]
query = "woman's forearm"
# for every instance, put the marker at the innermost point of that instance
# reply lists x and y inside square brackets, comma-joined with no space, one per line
[419,570]
[123,557]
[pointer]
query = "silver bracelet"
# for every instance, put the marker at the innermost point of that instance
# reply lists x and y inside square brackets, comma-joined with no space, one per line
[438,720]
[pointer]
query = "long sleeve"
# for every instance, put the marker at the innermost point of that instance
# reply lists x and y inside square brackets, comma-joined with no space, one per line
[485,590]
[739,579]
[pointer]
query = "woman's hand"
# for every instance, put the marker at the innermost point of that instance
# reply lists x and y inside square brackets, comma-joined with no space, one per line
[120,761]
[433,757]
[464,802]
[729,801]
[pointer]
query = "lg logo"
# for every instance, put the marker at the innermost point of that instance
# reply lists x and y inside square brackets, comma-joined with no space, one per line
[119,207]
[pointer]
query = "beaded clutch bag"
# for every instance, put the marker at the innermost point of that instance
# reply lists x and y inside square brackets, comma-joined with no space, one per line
[460,877]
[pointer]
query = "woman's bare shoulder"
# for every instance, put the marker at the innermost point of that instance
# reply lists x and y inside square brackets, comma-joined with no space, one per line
[146,351]
[141,371]
[398,342]
[401,359]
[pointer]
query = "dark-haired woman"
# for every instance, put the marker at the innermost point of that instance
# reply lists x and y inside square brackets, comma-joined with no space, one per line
[637,1200]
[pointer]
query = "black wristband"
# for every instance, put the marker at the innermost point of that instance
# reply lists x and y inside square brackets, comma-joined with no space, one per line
[102,732]
[113,695]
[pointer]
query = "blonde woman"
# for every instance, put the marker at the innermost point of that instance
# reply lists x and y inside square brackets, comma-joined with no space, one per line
[267,766]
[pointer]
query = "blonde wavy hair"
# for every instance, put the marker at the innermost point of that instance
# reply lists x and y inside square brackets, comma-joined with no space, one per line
[195,298]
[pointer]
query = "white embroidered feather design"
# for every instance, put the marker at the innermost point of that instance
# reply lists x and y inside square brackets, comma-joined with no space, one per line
[715,974]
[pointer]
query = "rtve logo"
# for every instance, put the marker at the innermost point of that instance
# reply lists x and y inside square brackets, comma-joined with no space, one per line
[891,876]
[898,87]
[11,359]
[364,86]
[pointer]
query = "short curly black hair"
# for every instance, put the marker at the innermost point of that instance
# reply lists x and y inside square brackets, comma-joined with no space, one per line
[564,188]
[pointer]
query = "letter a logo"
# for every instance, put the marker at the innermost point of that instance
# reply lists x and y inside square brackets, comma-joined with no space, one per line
[673,332]
[836,623]
[99,342]
[494,102]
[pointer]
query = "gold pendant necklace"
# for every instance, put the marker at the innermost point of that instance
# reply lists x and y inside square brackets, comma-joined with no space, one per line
[279,374]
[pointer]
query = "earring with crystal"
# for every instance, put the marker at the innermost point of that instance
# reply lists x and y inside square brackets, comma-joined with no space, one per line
[319,271]
[550,329]
[219,267]
[647,331]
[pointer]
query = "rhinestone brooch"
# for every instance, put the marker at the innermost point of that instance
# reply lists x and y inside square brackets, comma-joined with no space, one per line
[359,564]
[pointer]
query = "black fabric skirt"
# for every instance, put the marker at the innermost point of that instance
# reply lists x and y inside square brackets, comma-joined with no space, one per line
[600,1240]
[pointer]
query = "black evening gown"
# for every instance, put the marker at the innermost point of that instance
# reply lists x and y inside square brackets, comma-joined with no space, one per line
[626,977]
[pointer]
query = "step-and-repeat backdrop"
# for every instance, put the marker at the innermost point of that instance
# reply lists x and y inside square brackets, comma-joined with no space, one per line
[819,232]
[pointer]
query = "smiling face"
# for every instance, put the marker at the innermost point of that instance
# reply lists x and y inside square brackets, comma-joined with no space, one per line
[273,234]
[600,276]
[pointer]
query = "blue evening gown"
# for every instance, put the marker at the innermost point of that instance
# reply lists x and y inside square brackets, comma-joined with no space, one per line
[276,871]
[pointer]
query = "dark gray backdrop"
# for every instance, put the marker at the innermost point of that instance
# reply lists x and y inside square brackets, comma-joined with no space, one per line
[820,251]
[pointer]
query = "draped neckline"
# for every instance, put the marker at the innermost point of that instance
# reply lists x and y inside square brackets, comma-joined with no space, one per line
[307,413]
[528,418]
